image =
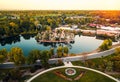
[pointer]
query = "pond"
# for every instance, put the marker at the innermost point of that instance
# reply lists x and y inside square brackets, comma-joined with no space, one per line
[27,43]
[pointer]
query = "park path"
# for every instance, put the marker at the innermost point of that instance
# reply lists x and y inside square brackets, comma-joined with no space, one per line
[69,64]
[85,57]
[71,58]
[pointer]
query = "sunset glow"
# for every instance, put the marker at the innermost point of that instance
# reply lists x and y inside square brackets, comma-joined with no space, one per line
[60,4]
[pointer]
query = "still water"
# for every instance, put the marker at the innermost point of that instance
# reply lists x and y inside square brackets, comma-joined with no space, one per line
[81,44]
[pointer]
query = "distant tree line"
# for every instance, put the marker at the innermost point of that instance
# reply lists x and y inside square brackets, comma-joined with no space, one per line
[18,22]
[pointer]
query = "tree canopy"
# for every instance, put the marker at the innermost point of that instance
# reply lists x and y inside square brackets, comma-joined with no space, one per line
[16,55]
[106,45]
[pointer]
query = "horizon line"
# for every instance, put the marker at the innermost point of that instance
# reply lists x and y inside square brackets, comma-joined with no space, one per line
[59,10]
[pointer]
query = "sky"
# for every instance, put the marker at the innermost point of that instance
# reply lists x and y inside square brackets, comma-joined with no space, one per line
[59,4]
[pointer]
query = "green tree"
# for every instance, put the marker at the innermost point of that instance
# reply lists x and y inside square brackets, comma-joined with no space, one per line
[14,29]
[44,57]
[4,52]
[33,56]
[24,25]
[116,63]
[36,23]
[46,35]
[109,42]
[60,51]
[66,50]
[16,56]
[2,31]
[2,58]
[109,66]
[48,28]
[117,66]
[51,52]
[90,64]
[15,75]
[106,45]
[49,21]
[117,50]
[3,55]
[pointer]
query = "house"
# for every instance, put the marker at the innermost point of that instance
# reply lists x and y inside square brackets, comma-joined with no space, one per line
[13,17]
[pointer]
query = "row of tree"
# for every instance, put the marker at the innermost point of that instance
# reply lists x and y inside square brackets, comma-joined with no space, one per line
[16,55]
[110,63]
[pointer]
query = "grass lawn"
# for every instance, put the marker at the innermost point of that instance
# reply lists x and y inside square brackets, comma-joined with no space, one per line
[97,62]
[89,76]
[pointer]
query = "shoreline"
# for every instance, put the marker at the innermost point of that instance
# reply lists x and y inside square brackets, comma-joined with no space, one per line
[96,50]
[91,55]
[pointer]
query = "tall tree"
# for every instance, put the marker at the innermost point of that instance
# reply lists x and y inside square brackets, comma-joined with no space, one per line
[3,55]
[106,45]
[33,56]
[51,52]
[24,25]
[66,50]
[44,57]
[117,50]
[2,58]
[16,56]
[60,51]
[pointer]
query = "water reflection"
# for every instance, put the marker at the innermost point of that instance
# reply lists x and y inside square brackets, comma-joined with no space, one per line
[10,40]
[54,45]
[28,43]
[28,36]
[15,39]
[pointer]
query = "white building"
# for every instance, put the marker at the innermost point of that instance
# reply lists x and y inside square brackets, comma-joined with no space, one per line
[64,28]
[109,28]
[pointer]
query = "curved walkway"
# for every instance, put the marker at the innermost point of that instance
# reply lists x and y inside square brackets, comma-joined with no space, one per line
[87,56]
[72,58]
[70,65]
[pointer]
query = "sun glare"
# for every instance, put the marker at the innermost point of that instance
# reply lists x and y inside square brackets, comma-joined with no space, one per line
[111,4]
[61,4]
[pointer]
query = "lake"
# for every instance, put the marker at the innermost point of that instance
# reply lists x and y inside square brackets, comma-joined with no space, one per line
[27,43]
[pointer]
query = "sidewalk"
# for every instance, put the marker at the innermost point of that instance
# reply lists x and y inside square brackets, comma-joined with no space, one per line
[68,64]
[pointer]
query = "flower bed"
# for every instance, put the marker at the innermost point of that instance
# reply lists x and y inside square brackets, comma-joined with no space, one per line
[70,71]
